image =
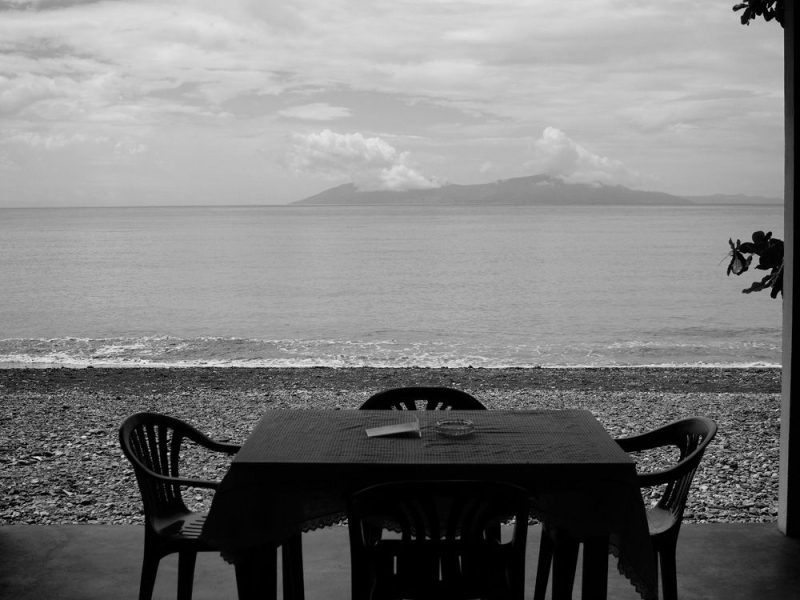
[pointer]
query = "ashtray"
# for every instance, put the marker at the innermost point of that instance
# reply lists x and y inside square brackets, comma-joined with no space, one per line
[455,427]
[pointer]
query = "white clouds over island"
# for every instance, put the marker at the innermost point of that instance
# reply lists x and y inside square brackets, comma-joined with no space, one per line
[556,154]
[369,162]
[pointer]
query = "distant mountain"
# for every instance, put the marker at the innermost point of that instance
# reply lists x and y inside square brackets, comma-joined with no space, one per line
[536,190]
[733,199]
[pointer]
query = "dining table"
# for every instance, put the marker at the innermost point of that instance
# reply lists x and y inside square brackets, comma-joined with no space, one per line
[297,468]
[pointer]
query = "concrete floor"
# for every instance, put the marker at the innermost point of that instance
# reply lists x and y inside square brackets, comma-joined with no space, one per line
[88,562]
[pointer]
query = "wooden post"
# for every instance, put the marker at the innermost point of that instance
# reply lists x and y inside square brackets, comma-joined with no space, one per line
[789,490]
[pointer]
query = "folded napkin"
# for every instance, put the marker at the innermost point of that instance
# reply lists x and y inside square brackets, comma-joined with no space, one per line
[410,429]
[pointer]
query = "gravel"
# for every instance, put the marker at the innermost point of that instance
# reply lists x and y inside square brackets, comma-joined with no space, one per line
[60,460]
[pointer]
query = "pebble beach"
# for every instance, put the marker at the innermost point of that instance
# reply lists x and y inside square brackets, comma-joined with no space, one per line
[60,460]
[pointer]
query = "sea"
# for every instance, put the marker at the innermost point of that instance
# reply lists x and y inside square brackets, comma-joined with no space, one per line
[383,286]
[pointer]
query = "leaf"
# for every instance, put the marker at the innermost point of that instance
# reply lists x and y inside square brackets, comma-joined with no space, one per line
[770,253]
[739,264]
[772,256]
[748,248]
[757,286]
[773,280]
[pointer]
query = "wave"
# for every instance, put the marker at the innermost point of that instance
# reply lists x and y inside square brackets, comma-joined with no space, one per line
[167,351]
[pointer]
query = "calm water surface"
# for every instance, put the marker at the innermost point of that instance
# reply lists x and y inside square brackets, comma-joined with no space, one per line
[386,286]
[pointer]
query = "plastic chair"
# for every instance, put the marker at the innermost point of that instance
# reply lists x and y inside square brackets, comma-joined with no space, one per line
[691,437]
[152,443]
[434,398]
[443,547]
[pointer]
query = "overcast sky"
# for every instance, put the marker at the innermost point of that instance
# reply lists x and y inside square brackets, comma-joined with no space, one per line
[172,102]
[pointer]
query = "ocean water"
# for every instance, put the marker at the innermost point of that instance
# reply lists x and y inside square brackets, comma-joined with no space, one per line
[487,286]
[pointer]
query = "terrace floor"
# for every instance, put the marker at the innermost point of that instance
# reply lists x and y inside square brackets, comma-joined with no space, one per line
[88,562]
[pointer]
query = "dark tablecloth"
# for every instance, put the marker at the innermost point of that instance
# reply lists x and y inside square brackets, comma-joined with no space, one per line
[297,468]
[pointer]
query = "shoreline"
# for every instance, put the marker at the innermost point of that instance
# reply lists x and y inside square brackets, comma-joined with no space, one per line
[209,364]
[765,379]
[62,463]
[255,365]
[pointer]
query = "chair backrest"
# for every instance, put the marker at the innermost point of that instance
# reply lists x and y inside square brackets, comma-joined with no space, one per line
[433,398]
[691,437]
[448,535]
[152,444]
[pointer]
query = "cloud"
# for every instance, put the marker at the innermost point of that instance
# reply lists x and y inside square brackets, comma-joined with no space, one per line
[556,154]
[53,141]
[129,147]
[470,78]
[318,111]
[455,54]
[369,162]
[17,92]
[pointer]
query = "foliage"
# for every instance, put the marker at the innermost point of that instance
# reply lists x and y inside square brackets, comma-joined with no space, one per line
[769,9]
[770,258]
[768,249]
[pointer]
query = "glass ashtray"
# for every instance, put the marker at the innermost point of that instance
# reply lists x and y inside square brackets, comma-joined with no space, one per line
[455,427]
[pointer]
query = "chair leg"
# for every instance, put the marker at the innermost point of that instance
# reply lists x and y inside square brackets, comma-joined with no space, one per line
[257,575]
[543,566]
[669,574]
[565,563]
[186,563]
[292,561]
[149,569]
[595,568]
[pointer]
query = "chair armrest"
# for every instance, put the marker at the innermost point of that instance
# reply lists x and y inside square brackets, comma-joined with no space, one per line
[673,435]
[185,481]
[670,474]
[224,448]
[643,441]
[665,436]
[205,441]
[654,478]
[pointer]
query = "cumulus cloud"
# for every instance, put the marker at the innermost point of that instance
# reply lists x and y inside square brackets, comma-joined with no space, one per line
[318,111]
[370,162]
[17,92]
[556,154]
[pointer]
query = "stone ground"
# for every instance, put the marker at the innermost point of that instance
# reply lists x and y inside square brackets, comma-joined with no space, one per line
[61,461]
